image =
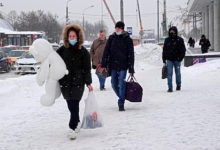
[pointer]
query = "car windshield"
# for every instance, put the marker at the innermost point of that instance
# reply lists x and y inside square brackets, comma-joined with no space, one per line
[7,49]
[27,55]
[15,53]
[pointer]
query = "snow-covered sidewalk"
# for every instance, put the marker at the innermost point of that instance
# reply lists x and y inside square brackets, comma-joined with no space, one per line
[185,120]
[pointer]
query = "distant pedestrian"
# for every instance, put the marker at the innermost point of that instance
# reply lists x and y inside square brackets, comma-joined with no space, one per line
[173,53]
[191,42]
[119,55]
[96,53]
[77,60]
[205,44]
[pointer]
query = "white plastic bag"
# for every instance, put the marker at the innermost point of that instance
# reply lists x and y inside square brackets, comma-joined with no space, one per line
[91,117]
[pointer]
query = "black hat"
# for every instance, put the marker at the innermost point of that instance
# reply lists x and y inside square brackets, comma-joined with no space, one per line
[120,25]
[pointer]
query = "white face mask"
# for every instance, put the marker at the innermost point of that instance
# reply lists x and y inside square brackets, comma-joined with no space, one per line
[118,33]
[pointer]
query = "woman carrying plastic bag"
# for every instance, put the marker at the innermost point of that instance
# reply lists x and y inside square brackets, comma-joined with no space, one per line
[91,117]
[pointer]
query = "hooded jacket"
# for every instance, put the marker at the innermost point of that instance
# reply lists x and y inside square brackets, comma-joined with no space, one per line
[77,60]
[205,44]
[174,48]
[119,53]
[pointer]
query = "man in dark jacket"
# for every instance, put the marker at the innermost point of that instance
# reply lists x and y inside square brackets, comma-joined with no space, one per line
[173,53]
[119,56]
[205,44]
[191,42]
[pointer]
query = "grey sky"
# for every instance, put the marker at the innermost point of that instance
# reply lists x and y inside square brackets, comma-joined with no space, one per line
[148,10]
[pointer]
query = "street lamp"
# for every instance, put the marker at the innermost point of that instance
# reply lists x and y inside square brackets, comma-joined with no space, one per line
[67,18]
[84,12]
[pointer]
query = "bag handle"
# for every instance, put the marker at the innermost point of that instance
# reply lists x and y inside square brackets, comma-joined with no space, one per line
[132,78]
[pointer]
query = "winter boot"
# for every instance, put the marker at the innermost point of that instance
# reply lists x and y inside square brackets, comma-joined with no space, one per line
[170,90]
[102,89]
[121,108]
[178,88]
[72,134]
[77,130]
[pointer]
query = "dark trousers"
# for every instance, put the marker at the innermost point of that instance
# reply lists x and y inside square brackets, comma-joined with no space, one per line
[73,106]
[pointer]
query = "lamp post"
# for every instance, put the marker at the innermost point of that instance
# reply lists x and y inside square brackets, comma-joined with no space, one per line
[67,16]
[84,12]
[158,22]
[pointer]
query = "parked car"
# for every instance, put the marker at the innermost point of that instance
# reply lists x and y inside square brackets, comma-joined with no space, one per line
[87,45]
[55,46]
[4,65]
[14,55]
[7,49]
[26,64]
[25,47]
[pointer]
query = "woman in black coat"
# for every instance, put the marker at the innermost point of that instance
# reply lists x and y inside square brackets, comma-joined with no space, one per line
[77,60]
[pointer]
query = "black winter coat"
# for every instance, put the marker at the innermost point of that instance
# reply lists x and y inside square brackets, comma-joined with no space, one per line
[205,44]
[174,49]
[79,66]
[119,53]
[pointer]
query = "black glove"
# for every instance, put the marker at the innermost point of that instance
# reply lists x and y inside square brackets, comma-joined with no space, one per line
[94,66]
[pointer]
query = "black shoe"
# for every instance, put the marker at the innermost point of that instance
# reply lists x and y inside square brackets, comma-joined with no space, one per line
[170,90]
[178,88]
[121,108]
[102,89]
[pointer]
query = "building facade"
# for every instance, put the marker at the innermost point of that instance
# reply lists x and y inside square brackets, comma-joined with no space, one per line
[210,10]
[21,38]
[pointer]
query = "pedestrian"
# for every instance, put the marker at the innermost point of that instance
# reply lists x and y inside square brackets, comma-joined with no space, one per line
[191,42]
[77,60]
[119,55]
[205,44]
[173,53]
[96,53]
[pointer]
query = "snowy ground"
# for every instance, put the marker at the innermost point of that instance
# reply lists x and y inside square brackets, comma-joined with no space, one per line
[185,120]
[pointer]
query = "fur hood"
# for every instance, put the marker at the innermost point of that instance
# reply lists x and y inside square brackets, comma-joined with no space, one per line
[80,38]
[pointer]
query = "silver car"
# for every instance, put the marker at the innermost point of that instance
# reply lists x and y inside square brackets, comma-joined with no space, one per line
[26,64]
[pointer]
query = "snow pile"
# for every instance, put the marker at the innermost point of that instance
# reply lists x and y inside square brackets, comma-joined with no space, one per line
[203,68]
[148,53]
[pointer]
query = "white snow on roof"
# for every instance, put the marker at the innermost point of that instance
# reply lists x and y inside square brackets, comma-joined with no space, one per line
[6,28]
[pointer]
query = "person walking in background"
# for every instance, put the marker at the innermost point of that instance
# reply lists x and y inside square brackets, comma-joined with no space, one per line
[173,53]
[119,55]
[96,53]
[205,44]
[77,60]
[191,42]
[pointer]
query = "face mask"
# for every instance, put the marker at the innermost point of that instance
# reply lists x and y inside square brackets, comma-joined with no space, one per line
[118,33]
[73,42]
[172,35]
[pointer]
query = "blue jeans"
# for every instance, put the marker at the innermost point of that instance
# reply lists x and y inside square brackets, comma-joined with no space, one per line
[101,82]
[119,85]
[176,65]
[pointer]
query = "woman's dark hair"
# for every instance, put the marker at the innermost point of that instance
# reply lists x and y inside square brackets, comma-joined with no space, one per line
[73,29]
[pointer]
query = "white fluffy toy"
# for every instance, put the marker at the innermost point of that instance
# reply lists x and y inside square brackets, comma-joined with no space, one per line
[52,69]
